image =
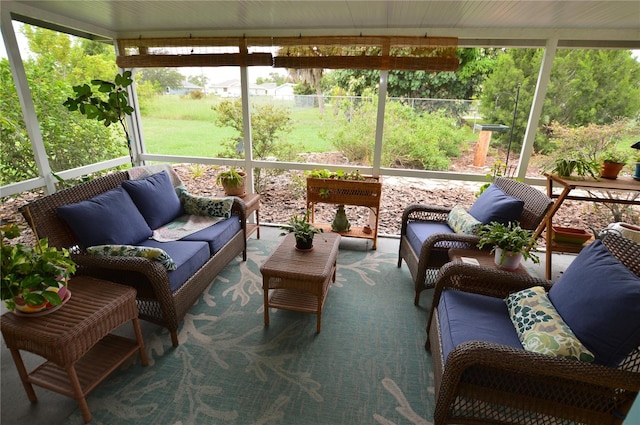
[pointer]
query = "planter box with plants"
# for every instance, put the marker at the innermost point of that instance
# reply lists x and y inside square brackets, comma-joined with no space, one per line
[339,188]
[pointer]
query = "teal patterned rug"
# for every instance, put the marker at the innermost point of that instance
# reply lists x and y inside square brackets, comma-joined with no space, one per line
[367,366]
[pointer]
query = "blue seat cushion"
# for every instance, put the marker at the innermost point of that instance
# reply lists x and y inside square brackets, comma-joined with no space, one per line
[419,231]
[466,317]
[217,235]
[495,205]
[156,198]
[599,299]
[187,256]
[110,218]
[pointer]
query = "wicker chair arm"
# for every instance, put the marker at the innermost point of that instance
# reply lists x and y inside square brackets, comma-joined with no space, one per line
[420,212]
[155,272]
[477,353]
[239,208]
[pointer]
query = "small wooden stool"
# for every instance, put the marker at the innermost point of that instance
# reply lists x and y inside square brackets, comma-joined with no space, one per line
[76,339]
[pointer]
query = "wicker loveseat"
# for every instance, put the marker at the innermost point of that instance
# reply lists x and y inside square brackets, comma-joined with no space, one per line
[484,375]
[426,235]
[168,283]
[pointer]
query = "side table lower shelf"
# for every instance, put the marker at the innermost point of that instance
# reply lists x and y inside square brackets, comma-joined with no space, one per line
[97,364]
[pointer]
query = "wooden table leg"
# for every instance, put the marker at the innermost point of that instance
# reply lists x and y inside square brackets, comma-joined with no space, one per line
[79,394]
[265,290]
[24,376]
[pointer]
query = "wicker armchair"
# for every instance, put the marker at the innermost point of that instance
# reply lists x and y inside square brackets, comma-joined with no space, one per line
[424,265]
[156,302]
[489,383]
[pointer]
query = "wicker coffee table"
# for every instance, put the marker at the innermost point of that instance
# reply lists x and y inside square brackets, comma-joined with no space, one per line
[76,340]
[299,281]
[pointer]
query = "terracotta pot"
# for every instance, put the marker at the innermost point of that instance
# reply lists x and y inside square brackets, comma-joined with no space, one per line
[510,262]
[236,190]
[610,170]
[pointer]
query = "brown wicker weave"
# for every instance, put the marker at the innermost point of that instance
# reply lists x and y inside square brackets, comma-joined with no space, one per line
[424,265]
[486,383]
[76,340]
[156,302]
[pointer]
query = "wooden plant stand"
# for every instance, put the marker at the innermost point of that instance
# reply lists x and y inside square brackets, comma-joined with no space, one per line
[364,193]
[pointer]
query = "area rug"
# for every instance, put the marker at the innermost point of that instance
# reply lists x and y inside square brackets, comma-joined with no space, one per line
[367,366]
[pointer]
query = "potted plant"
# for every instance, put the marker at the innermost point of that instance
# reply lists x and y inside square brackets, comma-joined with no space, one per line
[303,231]
[612,163]
[565,167]
[33,278]
[232,181]
[510,242]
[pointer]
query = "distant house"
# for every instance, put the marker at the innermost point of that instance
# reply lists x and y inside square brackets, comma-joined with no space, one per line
[186,88]
[228,88]
[284,92]
[231,88]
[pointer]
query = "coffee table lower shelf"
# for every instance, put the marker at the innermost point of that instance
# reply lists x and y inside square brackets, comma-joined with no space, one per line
[290,299]
[97,364]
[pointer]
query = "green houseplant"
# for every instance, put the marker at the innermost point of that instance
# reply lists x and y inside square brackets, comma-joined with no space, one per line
[33,278]
[510,242]
[565,167]
[303,230]
[232,181]
[612,163]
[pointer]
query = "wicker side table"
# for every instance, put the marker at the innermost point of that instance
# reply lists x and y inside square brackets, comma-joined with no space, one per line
[299,281]
[76,340]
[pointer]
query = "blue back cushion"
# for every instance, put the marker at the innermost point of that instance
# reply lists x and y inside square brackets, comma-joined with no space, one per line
[156,198]
[599,299]
[495,205]
[110,218]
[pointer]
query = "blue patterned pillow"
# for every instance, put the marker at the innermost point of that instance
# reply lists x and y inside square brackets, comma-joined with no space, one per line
[156,254]
[540,327]
[205,206]
[461,221]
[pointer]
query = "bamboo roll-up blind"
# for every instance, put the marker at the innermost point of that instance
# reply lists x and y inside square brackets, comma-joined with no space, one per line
[333,52]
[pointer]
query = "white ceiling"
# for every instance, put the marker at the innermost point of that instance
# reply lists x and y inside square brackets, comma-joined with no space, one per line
[475,22]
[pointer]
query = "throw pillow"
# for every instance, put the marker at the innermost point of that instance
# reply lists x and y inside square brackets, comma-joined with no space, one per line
[540,327]
[495,205]
[205,206]
[462,222]
[156,254]
[156,198]
[108,218]
[599,298]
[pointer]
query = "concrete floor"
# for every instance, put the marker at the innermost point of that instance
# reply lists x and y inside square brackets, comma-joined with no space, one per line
[53,409]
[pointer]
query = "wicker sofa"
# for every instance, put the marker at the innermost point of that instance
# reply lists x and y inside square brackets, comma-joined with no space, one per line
[483,373]
[167,282]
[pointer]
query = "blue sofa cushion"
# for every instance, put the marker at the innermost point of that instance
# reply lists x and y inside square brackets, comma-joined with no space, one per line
[465,316]
[156,198]
[418,232]
[187,256]
[217,235]
[599,299]
[495,205]
[110,218]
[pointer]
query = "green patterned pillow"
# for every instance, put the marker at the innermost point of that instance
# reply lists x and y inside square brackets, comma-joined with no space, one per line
[461,221]
[540,327]
[134,251]
[205,206]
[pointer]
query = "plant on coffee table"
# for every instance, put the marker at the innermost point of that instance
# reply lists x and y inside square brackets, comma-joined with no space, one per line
[303,230]
[509,239]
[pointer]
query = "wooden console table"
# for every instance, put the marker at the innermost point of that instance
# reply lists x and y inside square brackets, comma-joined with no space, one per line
[363,193]
[76,340]
[590,185]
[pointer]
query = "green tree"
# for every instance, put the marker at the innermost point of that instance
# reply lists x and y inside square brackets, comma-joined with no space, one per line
[586,86]
[162,77]
[268,123]
[274,77]
[198,80]
[475,65]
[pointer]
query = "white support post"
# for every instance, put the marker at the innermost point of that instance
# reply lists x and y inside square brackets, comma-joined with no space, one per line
[536,109]
[26,101]
[246,125]
[382,97]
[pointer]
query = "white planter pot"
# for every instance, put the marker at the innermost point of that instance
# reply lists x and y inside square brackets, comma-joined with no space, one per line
[510,261]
